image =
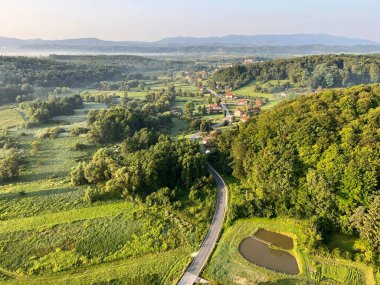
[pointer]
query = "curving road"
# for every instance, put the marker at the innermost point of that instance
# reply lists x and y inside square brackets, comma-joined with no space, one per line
[196,266]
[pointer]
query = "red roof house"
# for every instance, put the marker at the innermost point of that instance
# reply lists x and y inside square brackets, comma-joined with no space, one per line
[243,102]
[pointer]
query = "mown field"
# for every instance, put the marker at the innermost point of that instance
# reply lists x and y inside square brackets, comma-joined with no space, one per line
[228,266]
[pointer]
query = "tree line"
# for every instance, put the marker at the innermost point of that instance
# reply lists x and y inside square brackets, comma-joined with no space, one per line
[42,111]
[120,122]
[140,166]
[326,71]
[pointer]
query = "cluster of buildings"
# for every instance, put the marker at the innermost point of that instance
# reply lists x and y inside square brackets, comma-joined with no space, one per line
[243,111]
[193,77]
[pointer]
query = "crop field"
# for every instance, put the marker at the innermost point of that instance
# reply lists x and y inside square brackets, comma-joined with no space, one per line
[228,266]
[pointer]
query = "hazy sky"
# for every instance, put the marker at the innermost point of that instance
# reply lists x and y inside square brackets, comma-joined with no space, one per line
[154,19]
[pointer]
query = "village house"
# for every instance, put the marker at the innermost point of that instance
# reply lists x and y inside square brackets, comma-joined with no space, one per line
[243,102]
[230,95]
[254,110]
[215,108]
[203,73]
[244,118]
[259,102]
[238,113]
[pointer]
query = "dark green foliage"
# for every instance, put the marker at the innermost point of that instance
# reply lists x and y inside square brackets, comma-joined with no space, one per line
[137,174]
[317,157]
[151,279]
[9,164]
[41,112]
[51,73]
[201,125]
[10,93]
[119,122]
[78,71]
[189,109]
[312,71]
[142,139]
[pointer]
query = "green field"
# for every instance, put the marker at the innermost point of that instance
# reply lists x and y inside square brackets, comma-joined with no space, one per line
[10,117]
[50,235]
[228,266]
[248,92]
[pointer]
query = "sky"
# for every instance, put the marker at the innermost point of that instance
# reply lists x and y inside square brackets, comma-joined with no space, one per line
[150,20]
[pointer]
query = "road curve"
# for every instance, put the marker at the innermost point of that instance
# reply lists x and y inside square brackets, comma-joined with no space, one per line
[196,266]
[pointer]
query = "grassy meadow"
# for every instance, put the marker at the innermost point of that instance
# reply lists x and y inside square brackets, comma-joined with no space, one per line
[10,117]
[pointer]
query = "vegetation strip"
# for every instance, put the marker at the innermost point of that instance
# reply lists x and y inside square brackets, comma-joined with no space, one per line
[52,219]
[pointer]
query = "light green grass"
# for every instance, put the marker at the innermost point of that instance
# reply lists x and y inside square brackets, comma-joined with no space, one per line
[80,115]
[228,266]
[10,117]
[51,219]
[247,91]
[163,268]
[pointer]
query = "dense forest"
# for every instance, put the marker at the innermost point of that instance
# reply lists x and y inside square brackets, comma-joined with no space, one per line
[136,171]
[18,75]
[120,122]
[326,71]
[315,157]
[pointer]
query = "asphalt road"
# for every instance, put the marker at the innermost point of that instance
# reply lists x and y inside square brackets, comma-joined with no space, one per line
[224,107]
[199,261]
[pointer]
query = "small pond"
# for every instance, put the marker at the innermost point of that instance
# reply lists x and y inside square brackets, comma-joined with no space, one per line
[276,239]
[257,250]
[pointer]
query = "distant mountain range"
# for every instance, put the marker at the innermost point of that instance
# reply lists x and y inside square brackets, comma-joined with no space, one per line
[269,40]
[312,43]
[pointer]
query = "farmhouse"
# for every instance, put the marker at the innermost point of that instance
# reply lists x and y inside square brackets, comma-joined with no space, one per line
[230,95]
[215,108]
[243,102]
[238,113]
[244,118]
[259,102]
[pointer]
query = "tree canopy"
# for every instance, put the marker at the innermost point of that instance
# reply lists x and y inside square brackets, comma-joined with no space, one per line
[324,71]
[317,157]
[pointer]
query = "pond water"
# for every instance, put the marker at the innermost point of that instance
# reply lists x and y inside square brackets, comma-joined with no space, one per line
[276,239]
[259,253]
